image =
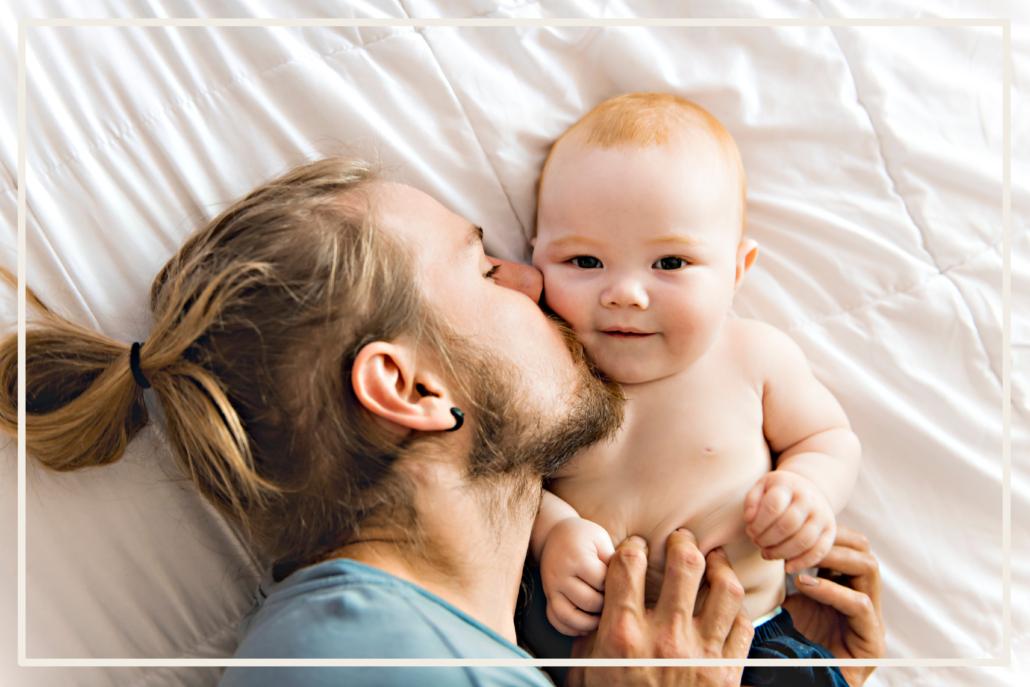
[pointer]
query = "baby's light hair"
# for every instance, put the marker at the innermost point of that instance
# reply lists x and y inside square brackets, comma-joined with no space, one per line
[644,120]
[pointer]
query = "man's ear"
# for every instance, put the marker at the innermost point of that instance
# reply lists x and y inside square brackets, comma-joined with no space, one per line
[747,252]
[388,383]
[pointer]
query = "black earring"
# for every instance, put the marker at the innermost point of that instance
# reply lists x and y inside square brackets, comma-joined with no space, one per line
[459,419]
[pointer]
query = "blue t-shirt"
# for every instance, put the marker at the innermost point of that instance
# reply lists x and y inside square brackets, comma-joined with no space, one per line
[343,609]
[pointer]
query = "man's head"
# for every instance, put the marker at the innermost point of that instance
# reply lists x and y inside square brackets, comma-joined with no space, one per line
[639,233]
[532,397]
[308,344]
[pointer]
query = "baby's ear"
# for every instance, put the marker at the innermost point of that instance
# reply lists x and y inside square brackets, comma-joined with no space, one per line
[747,252]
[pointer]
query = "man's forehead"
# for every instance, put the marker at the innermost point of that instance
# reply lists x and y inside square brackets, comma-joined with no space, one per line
[423,221]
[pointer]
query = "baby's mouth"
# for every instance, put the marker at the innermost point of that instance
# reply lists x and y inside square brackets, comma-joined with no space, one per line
[619,333]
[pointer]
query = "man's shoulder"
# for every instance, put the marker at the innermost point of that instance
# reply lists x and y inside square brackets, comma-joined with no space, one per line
[384,676]
[345,610]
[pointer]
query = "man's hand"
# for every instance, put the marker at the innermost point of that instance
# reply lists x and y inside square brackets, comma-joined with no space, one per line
[671,629]
[573,565]
[844,617]
[788,517]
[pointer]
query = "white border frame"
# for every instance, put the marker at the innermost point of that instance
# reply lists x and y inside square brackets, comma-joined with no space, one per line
[1004,660]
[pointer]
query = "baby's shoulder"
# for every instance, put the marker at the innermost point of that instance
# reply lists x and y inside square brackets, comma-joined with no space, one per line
[757,345]
[747,334]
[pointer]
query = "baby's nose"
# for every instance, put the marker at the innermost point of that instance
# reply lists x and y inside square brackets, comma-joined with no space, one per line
[515,275]
[628,293]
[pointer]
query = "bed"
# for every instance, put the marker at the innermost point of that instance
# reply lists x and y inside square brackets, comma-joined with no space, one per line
[874,157]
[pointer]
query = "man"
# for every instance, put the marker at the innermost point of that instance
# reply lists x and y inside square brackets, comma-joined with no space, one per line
[454,596]
[374,402]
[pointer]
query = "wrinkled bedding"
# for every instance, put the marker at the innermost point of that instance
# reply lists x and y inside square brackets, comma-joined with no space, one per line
[874,158]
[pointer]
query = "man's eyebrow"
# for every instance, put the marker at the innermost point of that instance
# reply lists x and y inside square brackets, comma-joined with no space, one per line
[475,235]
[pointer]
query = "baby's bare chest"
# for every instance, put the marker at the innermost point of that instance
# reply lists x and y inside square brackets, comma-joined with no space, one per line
[684,460]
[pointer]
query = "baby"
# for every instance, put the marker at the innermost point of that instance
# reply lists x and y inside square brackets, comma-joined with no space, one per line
[727,432]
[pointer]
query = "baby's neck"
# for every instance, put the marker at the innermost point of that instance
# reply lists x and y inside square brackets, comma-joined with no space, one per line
[660,385]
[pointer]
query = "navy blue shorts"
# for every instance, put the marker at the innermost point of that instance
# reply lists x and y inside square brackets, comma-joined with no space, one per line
[777,638]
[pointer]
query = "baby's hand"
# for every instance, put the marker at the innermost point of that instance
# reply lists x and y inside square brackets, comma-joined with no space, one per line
[573,565]
[788,517]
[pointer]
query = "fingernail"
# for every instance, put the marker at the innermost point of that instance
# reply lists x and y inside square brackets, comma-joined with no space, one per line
[807,580]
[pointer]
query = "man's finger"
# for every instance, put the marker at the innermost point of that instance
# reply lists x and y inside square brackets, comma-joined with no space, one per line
[725,595]
[857,607]
[861,566]
[849,561]
[851,539]
[739,642]
[624,586]
[684,568]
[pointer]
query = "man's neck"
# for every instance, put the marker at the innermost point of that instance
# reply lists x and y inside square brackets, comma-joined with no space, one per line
[475,543]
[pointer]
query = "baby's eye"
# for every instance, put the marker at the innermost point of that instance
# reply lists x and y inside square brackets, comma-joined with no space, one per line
[670,262]
[492,272]
[586,262]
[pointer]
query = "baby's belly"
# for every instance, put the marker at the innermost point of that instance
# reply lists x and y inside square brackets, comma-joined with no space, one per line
[763,581]
[714,513]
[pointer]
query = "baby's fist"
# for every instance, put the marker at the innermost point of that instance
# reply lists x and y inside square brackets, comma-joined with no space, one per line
[573,565]
[788,517]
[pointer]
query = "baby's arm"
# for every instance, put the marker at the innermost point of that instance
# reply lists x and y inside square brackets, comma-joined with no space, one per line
[573,555]
[791,511]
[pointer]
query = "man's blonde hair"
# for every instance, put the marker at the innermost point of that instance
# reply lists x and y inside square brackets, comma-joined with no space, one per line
[258,319]
[644,120]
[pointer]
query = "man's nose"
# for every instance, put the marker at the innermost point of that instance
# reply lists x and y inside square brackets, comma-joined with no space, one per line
[515,275]
[625,293]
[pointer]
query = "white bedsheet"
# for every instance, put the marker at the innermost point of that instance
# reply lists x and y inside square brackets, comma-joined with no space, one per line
[874,163]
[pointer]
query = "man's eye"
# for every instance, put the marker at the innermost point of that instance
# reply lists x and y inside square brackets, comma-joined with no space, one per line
[492,272]
[586,262]
[670,263]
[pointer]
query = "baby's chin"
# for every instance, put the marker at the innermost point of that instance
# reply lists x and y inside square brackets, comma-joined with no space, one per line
[627,372]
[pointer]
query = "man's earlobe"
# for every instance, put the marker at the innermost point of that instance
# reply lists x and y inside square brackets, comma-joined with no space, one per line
[387,382]
[747,253]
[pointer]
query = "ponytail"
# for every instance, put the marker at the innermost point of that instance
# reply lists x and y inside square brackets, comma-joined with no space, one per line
[82,406]
[257,320]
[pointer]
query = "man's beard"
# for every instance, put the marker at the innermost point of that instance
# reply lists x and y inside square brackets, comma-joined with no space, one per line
[512,438]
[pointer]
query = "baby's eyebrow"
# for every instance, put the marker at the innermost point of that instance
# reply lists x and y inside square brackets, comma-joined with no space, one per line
[675,238]
[577,240]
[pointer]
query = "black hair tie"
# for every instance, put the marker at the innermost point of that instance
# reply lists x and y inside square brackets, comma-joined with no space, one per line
[137,373]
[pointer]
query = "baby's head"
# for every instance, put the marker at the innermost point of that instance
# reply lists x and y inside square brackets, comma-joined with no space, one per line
[639,233]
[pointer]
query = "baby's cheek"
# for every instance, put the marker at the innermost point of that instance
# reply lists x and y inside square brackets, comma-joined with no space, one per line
[565,301]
